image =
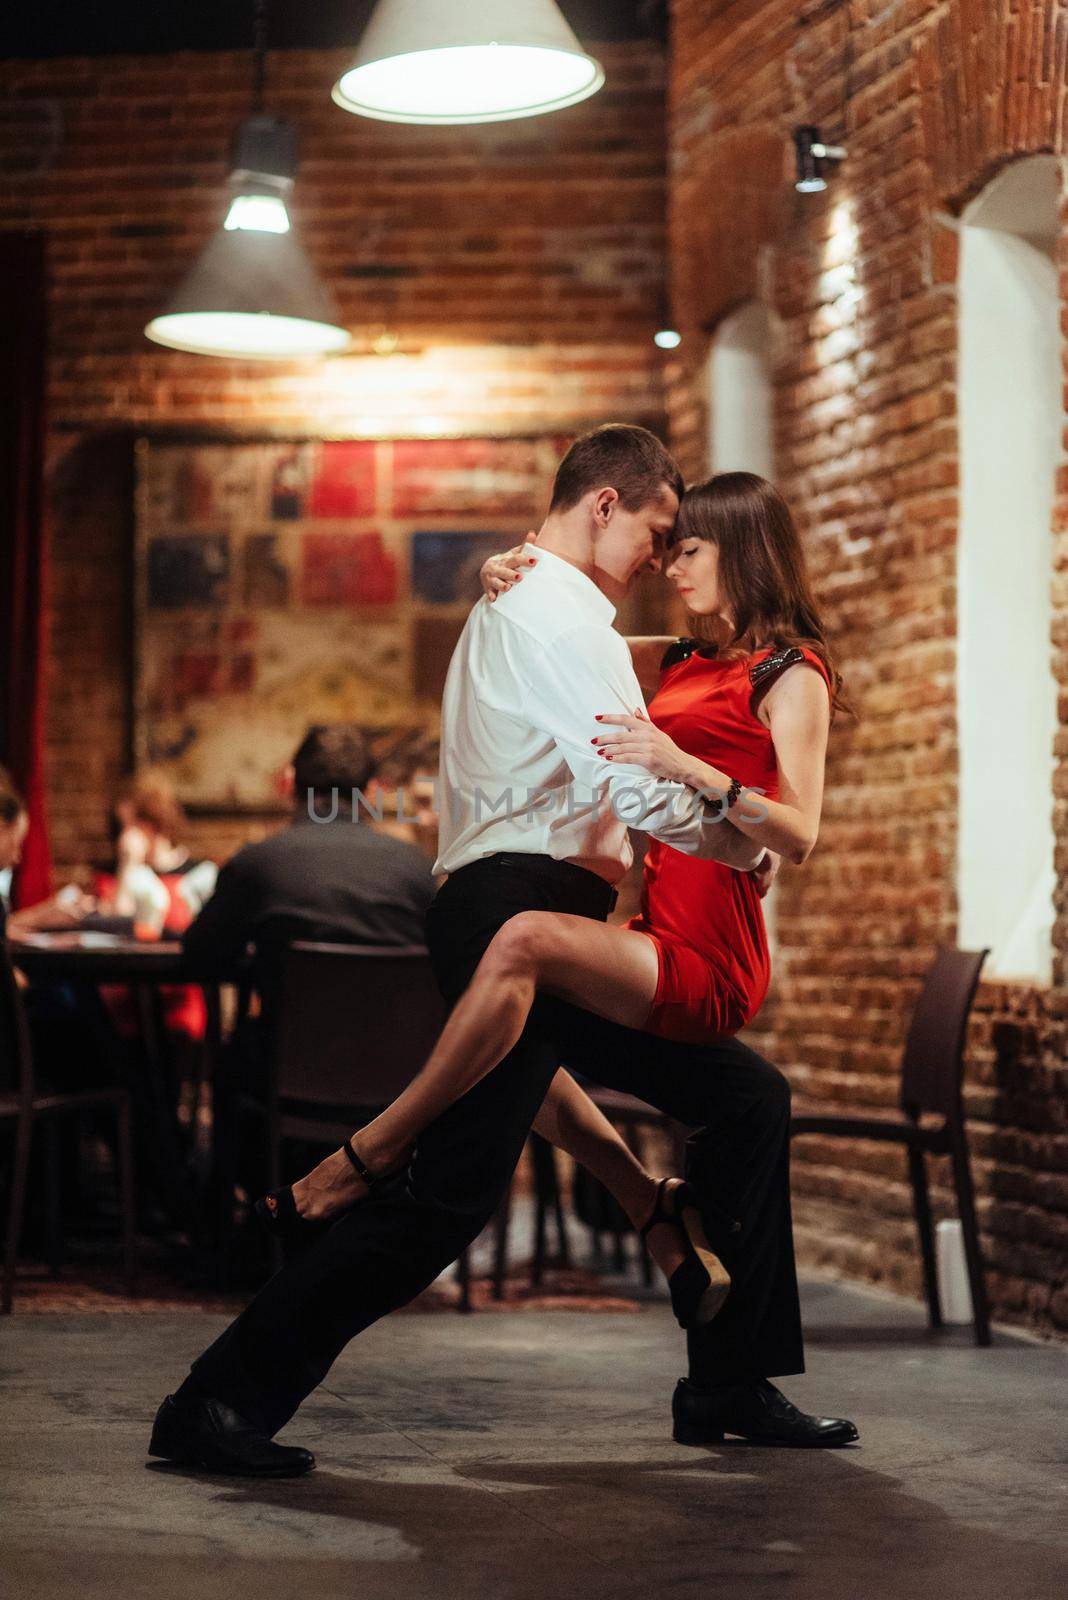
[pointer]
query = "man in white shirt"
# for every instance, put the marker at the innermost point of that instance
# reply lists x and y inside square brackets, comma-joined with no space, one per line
[531,818]
[526,681]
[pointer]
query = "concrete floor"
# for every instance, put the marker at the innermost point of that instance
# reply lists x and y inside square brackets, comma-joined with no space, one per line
[520,1456]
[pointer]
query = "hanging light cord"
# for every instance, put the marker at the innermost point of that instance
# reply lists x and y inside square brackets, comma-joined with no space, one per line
[259,54]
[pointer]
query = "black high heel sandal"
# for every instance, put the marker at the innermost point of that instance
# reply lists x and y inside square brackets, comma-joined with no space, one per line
[277,1210]
[701,1283]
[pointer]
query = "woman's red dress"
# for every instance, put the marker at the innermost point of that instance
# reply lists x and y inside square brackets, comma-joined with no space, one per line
[706,918]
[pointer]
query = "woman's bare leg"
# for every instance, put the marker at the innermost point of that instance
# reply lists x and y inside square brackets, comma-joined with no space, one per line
[611,971]
[569,1119]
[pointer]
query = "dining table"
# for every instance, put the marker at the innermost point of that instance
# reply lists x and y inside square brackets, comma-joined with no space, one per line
[144,967]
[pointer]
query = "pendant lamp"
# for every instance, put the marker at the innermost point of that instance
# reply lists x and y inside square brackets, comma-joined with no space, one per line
[450,61]
[253,293]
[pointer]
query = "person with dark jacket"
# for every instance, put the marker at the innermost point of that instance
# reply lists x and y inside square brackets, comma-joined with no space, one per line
[329,876]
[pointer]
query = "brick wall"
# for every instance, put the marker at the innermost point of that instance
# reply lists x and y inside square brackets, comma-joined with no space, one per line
[931,99]
[519,269]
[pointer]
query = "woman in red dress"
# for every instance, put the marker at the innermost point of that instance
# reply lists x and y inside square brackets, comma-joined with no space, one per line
[745,715]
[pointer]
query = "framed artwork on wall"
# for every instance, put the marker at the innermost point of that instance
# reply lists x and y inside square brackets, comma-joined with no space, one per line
[281,582]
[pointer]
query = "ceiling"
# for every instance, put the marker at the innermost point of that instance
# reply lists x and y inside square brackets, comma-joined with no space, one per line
[144,27]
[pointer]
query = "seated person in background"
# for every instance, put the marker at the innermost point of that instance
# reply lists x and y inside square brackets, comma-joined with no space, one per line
[62,910]
[409,773]
[73,1042]
[162,887]
[156,881]
[331,876]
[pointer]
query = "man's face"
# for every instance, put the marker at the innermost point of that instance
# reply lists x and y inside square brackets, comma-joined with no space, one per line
[633,541]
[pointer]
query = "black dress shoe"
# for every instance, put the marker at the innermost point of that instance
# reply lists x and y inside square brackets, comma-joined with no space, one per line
[212,1436]
[754,1410]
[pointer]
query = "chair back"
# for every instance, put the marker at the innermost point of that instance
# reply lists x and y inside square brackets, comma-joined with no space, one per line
[16,1058]
[355,1022]
[933,1062]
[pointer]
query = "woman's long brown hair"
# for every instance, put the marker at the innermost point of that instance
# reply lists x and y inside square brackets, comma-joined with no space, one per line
[151,797]
[762,570]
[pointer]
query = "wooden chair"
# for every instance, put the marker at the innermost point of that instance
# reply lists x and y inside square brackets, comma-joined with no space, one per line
[932,1071]
[353,1026]
[22,1103]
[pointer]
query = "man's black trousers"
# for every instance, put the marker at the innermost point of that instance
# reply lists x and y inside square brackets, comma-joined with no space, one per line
[389,1247]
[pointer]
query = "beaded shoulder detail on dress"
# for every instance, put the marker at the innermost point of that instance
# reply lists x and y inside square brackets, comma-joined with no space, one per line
[774,664]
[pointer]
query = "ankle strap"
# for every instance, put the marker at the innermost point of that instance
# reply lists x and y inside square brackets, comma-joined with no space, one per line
[659,1213]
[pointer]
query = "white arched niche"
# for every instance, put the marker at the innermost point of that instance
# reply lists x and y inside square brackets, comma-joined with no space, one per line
[739,394]
[1011,417]
[738,397]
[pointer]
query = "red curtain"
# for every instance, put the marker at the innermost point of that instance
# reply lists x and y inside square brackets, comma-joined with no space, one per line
[23,333]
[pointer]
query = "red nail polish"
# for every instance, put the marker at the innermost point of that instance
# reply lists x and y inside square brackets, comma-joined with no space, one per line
[599,716]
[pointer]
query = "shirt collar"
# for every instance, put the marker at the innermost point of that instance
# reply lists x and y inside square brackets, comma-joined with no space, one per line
[597,604]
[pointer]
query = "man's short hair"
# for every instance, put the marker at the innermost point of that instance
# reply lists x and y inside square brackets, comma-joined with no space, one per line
[333,756]
[618,456]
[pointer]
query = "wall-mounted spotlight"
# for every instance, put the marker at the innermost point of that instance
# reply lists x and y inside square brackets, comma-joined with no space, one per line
[666,335]
[811,155]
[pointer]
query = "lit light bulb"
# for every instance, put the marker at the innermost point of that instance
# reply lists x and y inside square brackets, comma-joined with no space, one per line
[667,339]
[257,213]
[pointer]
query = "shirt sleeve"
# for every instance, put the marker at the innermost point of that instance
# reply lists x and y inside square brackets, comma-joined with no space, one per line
[585,670]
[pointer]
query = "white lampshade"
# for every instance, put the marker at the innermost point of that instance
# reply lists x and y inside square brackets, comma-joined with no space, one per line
[449,61]
[253,293]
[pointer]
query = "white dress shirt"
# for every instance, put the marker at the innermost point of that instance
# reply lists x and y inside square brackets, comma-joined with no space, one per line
[518,770]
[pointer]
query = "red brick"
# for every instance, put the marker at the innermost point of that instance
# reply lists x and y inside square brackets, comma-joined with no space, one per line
[865,413]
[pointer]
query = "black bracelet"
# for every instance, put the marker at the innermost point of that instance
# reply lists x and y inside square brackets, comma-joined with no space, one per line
[732,794]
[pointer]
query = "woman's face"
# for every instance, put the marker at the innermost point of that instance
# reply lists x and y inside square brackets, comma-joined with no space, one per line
[694,570]
[12,835]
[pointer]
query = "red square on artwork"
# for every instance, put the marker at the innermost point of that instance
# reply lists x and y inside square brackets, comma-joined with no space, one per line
[347,569]
[242,673]
[344,481]
[196,675]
